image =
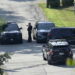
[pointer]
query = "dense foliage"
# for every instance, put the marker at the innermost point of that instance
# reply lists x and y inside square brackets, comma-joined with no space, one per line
[67,2]
[56,3]
[3,58]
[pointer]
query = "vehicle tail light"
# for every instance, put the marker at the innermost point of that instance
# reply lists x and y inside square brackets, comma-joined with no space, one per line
[49,34]
[50,52]
[70,52]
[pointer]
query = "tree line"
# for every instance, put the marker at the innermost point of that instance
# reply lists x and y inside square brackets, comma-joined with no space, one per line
[56,3]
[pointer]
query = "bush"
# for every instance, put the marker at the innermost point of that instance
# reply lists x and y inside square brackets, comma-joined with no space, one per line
[67,2]
[1,71]
[2,22]
[54,3]
[70,62]
[3,58]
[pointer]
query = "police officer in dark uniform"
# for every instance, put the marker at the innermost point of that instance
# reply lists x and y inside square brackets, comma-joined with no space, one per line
[29,32]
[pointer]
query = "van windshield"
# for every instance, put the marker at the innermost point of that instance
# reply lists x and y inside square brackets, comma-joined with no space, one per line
[11,27]
[45,26]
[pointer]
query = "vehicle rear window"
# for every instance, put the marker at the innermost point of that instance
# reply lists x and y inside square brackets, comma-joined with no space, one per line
[62,33]
[60,47]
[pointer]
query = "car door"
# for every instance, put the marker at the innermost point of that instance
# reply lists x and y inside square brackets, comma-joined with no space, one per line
[35,31]
[46,51]
[49,49]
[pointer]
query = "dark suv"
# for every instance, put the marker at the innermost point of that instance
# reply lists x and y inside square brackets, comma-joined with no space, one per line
[11,34]
[62,33]
[41,30]
[57,51]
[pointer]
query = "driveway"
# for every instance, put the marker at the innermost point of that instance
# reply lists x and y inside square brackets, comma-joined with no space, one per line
[27,57]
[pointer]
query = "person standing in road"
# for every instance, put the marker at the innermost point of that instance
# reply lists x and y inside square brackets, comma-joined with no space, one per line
[29,32]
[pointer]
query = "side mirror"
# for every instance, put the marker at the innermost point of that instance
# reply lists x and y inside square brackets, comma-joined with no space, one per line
[20,28]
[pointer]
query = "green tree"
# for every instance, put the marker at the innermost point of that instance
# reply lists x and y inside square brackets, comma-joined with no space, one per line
[67,2]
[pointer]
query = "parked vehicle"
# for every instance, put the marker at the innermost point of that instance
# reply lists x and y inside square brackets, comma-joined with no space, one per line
[41,29]
[62,33]
[57,51]
[11,34]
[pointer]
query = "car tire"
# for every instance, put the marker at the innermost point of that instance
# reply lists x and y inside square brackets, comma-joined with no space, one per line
[34,37]
[37,41]
[49,61]
[21,41]
[2,42]
[44,57]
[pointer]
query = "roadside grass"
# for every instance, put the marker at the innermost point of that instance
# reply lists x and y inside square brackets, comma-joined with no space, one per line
[70,62]
[62,17]
[2,22]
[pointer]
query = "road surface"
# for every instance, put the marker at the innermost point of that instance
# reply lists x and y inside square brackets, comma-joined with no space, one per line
[27,57]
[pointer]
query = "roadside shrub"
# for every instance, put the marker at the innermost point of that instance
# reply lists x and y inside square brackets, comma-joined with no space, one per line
[54,3]
[1,71]
[3,58]
[70,62]
[2,22]
[67,2]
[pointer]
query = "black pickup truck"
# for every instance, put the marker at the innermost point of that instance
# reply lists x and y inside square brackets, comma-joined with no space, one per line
[11,34]
[67,33]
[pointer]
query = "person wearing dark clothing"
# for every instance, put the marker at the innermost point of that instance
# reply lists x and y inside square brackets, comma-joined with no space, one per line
[29,32]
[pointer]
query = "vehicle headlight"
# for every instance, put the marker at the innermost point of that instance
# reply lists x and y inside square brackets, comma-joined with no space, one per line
[3,33]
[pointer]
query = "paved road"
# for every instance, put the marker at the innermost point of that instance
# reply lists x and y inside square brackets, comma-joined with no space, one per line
[27,58]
